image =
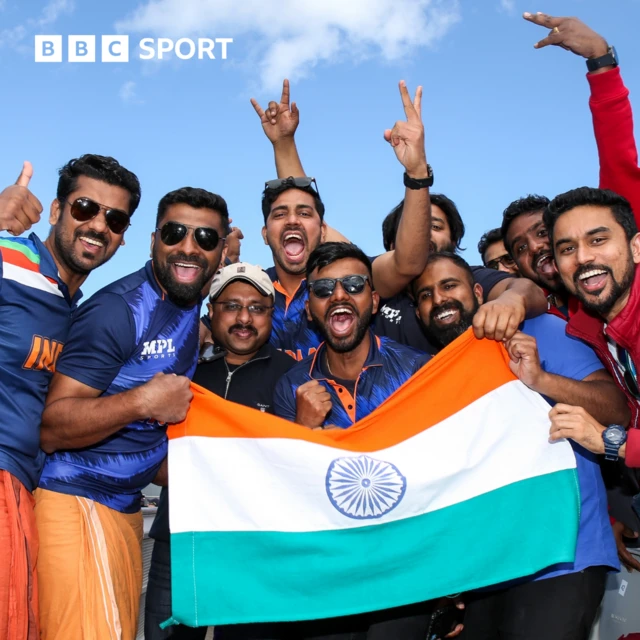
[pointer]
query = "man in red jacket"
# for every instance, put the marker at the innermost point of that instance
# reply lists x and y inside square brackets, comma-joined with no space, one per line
[524,234]
[596,243]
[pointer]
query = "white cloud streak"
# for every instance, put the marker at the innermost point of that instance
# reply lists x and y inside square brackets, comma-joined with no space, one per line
[508,5]
[293,36]
[128,93]
[14,36]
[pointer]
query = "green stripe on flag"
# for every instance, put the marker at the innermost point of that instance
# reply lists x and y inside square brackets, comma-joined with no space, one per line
[228,577]
[22,248]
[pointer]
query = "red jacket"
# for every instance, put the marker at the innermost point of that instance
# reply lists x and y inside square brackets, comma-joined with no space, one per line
[619,171]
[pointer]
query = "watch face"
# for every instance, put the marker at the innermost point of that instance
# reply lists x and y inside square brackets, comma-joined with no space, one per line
[614,435]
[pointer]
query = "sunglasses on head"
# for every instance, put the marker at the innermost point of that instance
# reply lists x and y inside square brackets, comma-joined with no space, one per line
[302,183]
[506,261]
[324,287]
[175,232]
[84,209]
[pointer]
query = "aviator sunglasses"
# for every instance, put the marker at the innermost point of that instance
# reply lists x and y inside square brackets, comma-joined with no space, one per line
[324,287]
[175,232]
[301,182]
[84,209]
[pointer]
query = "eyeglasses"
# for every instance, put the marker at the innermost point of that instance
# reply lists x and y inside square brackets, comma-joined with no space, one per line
[506,261]
[84,209]
[324,287]
[630,374]
[235,307]
[174,232]
[302,183]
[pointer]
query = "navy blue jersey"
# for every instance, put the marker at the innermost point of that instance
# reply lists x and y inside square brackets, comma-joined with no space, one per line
[388,366]
[119,339]
[35,316]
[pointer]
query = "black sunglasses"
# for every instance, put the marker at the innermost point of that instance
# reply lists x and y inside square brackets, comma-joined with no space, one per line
[84,209]
[324,287]
[630,374]
[302,183]
[174,232]
[506,261]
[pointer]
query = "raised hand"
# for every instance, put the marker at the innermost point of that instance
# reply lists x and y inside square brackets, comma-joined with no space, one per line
[19,208]
[407,138]
[570,34]
[499,319]
[524,359]
[280,120]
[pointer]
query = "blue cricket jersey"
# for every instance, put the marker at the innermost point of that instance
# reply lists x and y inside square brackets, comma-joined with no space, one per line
[35,316]
[120,338]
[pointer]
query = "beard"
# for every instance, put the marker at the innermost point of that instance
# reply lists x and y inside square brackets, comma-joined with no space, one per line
[445,335]
[350,342]
[603,306]
[65,248]
[182,294]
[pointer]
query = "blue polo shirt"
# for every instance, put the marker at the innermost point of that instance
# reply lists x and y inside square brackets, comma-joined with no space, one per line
[291,331]
[120,338]
[387,367]
[35,315]
[566,356]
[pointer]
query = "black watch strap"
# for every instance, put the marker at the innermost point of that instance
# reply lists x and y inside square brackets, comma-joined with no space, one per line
[422,183]
[609,59]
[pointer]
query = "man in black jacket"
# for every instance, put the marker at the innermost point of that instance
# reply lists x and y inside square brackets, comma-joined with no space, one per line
[242,367]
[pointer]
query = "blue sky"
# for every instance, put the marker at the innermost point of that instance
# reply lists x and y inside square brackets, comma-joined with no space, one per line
[502,119]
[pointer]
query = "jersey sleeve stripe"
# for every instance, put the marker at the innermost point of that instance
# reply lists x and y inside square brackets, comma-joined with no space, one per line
[19,247]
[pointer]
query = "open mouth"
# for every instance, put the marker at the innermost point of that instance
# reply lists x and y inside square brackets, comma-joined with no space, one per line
[447,316]
[243,333]
[186,272]
[341,321]
[594,280]
[91,245]
[546,266]
[294,245]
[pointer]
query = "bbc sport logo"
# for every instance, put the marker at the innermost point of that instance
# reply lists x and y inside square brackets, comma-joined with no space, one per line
[116,48]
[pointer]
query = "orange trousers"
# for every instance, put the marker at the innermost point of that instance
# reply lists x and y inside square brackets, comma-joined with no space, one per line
[18,555]
[89,569]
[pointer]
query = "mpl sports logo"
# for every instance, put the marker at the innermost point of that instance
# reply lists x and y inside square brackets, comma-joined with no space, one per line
[154,349]
[116,48]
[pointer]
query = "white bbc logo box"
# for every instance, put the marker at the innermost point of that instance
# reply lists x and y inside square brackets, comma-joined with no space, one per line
[82,48]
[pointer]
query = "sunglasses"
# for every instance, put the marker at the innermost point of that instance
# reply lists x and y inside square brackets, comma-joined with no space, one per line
[175,232]
[324,287]
[84,209]
[630,373]
[506,261]
[302,183]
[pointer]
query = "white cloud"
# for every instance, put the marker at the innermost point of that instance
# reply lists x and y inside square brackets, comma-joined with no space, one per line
[508,5]
[292,36]
[50,13]
[128,93]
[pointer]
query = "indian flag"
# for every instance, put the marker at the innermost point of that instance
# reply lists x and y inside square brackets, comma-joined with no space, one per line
[450,485]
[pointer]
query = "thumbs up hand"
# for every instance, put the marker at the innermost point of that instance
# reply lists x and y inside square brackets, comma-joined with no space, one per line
[19,208]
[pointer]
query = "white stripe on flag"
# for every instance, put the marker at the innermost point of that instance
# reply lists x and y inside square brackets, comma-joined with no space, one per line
[278,484]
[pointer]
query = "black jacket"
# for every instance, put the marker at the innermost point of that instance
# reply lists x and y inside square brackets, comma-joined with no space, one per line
[250,384]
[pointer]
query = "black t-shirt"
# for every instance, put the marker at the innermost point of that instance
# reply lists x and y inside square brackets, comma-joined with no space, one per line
[252,384]
[396,317]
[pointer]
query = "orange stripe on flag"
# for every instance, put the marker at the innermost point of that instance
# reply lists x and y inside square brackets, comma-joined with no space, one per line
[461,374]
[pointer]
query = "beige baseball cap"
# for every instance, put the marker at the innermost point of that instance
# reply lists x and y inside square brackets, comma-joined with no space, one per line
[251,273]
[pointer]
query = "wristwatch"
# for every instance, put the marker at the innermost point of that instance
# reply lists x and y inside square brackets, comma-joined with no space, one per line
[614,436]
[422,183]
[609,59]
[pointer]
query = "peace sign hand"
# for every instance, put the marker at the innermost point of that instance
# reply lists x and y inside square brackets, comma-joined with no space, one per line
[407,138]
[280,120]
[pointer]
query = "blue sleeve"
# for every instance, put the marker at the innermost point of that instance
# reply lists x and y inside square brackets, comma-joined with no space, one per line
[421,361]
[101,339]
[560,353]
[488,278]
[284,399]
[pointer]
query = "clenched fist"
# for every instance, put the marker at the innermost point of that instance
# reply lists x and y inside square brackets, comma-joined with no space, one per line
[166,398]
[313,403]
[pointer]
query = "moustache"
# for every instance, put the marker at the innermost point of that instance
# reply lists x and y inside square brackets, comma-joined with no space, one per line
[243,327]
[183,257]
[589,267]
[454,305]
[94,235]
